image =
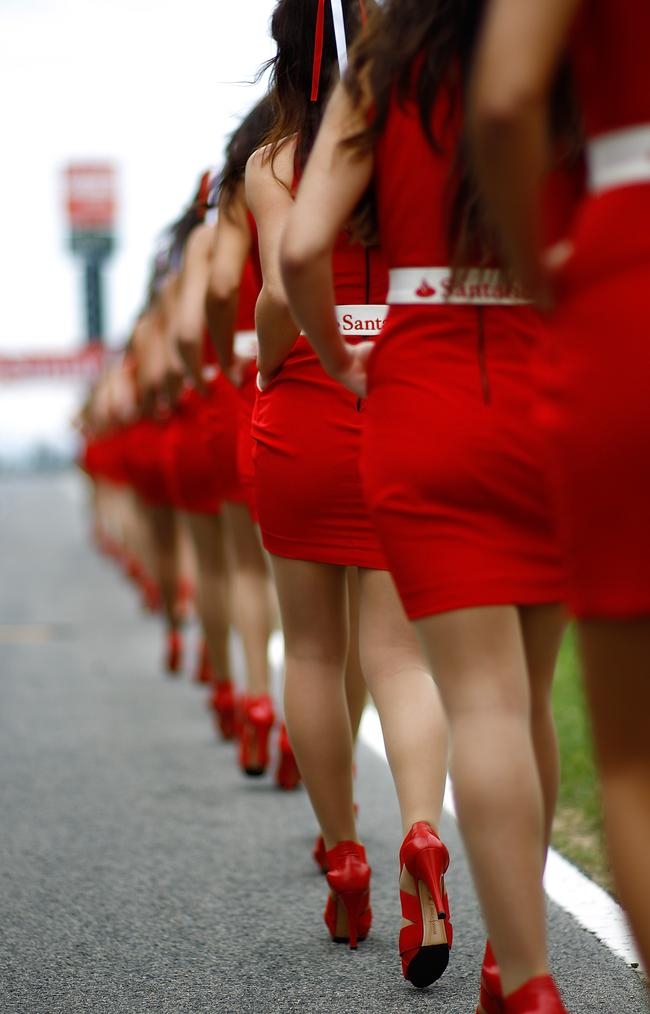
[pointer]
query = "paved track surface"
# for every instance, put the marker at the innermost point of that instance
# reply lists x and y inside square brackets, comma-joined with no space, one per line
[139,871]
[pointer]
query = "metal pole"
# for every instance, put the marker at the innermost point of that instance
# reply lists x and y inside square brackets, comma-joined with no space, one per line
[94,300]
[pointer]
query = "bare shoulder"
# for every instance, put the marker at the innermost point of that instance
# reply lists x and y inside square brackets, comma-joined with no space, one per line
[267,166]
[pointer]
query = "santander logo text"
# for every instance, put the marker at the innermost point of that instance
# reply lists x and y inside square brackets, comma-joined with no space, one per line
[350,322]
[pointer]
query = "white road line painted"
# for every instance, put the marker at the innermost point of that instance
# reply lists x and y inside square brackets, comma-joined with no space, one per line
[587,903]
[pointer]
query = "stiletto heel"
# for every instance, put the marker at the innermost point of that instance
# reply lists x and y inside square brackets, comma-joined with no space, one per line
[174,652]
[287,775]
[257,718]
[222,703]
[348,915]
[537,996]
[426,935]
[491,995]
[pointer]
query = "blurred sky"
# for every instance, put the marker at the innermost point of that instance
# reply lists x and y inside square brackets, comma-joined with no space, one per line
[153,85]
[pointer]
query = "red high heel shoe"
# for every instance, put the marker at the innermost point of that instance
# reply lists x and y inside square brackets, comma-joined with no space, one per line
[491,995]
[287,775]
[426,934]
[257,718]
[222,702]
[203,672]
[537,996]
[173,659]
[348,914]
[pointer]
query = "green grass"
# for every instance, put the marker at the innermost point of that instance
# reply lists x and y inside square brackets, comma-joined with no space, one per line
[578,827]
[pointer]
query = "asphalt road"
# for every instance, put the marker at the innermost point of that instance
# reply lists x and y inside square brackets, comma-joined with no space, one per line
[139,871]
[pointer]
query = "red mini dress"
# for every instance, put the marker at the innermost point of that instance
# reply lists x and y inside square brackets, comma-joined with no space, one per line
[201,446]
[599,408]
[144,460]
[307,433]
[452,458]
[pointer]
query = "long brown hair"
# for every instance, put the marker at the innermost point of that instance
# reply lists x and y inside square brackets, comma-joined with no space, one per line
[293,28]
[409,51]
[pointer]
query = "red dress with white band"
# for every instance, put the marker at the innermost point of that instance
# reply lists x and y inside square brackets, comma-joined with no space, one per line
[307,432]
[599,411]
[452,459]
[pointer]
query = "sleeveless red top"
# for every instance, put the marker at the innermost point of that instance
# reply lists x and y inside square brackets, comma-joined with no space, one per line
[413,221]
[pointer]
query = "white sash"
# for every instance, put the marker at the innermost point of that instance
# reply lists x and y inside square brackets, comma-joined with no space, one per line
[480,286]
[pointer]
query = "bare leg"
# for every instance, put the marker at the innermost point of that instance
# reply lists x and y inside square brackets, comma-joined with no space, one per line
[412,719]
[207,532]
[542,629]
[251,596]
[313,604]
[479,661]
[164,535]
[356,690]
[616,658]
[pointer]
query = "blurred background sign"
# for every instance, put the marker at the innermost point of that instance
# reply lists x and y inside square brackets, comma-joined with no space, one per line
[91,202]
[90,197]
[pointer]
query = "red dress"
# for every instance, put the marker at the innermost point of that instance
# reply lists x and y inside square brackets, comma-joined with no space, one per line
[307,432]
[144,460]
[201,446]
[452,459]
[600,408]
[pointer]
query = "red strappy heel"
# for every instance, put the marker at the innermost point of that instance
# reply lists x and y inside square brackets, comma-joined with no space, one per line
[348,914]
[287,775]
[426,934]
[173,659]
[537,996]
[257,718]
[491,995]
[222,702]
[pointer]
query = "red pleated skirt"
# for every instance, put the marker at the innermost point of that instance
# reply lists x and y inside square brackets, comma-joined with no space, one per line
[308,490]
[453,461]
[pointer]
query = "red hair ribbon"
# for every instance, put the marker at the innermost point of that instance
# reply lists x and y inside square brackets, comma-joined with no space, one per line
[363,12]
[318,49]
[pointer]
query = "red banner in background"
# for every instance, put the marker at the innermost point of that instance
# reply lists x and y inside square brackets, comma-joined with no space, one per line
[85,364]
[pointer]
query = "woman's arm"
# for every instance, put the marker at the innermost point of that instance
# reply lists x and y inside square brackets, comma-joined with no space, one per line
[334,180]
[187,335]
[232,245]
[149,353]
[268,194]
[519,51]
